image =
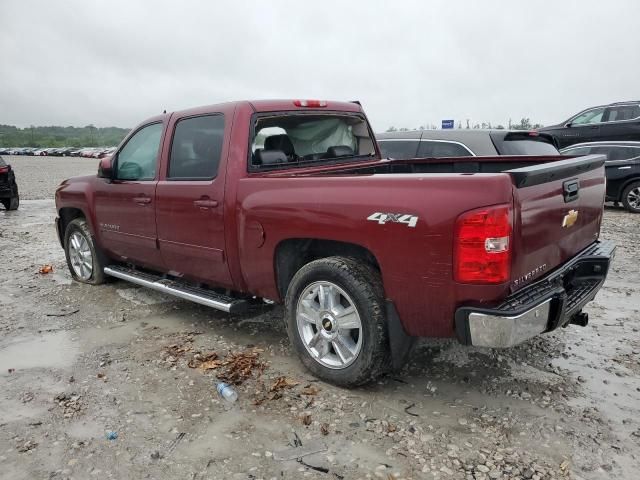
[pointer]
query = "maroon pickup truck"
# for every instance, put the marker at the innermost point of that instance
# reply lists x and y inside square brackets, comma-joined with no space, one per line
[289,201]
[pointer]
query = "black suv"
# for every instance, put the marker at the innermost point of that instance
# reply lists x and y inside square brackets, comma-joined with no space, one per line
[622,169]
[615,122]
[8,187]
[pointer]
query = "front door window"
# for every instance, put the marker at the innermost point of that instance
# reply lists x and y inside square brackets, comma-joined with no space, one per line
[137,160]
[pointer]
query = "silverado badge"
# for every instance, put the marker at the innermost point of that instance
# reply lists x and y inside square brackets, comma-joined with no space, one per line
[570,218]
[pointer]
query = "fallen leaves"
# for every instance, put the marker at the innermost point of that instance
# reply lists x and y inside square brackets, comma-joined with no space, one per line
[235,368]
[310,390]
[205,361]
[45,269]
[306,419]
[281,383]
[324,429]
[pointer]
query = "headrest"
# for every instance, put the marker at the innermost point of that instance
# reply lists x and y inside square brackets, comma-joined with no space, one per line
[269,157]
[279,142]
[339,151]
[205,144]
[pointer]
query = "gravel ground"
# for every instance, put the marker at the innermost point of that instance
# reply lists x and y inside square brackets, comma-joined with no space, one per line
[78,362]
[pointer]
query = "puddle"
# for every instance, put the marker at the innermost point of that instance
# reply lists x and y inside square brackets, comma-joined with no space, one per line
[50,350]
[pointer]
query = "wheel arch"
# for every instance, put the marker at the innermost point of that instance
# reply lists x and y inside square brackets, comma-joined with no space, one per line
[626,183]
[66,215]
[292,254]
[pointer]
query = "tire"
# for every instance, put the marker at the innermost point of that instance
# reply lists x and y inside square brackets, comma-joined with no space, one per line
[631,197]
[80,249]
[11,203]
[355,355]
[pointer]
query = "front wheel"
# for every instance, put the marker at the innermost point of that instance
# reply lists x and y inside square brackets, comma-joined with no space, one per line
[631,197]
[336,320]
[86,262]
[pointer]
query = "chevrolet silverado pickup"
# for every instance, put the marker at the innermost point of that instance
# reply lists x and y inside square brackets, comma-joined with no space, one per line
[289,201]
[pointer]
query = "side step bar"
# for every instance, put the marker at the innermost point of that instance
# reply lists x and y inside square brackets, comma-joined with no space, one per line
[178,289]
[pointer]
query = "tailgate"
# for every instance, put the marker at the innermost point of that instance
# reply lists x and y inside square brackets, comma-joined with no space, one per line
[558,211]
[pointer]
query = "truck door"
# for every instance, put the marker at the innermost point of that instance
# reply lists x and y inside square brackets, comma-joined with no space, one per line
[190,194]
[125,206]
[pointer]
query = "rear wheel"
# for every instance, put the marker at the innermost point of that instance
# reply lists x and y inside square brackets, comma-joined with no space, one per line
[336,320]
[11,203]
[631,197]
[86,262]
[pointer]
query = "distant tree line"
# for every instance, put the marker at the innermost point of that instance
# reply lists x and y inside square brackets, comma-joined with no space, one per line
[524,124]
[89,136]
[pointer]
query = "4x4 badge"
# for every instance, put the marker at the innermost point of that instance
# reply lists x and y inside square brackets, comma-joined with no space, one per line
[382,218]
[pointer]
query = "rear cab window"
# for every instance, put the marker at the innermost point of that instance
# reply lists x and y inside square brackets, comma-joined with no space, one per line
[290,139]
[523,143]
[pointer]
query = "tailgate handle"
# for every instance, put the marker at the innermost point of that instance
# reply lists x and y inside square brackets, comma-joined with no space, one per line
[570,190]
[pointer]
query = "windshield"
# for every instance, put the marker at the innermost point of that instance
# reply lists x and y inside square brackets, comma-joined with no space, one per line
[285,139]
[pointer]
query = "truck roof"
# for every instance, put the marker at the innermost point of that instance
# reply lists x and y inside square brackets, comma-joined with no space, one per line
[274,106]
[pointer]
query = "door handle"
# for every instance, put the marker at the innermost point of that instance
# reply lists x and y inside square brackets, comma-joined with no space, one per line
[205,203]
[142,200]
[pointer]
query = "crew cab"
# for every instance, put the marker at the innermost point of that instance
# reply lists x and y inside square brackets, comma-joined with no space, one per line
[290,201]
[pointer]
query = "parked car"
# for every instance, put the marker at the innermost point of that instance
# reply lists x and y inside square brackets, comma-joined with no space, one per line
[9,196]
[290,201]
[614,122]
[622,169]
[463,142]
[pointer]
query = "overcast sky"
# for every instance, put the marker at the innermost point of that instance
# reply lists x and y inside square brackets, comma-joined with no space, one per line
[409,63]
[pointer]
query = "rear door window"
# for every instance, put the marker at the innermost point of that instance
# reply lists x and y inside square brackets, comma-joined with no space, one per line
[622,112]
[196,148]
[430,148]
[398,149]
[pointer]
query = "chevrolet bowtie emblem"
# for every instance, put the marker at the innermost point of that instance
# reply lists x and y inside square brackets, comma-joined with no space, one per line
[570,218]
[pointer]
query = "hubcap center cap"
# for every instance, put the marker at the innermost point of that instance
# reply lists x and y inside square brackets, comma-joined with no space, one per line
[327,324]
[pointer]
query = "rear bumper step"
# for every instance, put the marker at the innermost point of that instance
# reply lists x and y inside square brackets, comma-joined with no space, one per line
[179,289]
[552,302]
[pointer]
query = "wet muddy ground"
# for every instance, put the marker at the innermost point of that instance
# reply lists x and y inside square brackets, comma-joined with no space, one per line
[79,362]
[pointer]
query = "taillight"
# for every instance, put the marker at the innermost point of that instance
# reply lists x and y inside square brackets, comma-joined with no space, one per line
[310,103]
[482,245]
[4,169]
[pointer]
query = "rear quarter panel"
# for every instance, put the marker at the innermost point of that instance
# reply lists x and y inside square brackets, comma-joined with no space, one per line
[416,263]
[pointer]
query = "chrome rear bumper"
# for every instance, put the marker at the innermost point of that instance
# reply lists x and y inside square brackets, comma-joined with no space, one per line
[552,302]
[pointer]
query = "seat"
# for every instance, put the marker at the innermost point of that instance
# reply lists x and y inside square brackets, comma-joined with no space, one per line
[281,142]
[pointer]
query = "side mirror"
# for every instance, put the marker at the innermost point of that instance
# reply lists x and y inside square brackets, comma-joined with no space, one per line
[105,168]
[568,124]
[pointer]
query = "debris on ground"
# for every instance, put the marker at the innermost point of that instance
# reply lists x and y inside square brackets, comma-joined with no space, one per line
[306,419]
[111,435]
[156,455]
[324,429]
[310,390]
[45,269]
[71,403]
[27,397]
[281,383]
[235,368]
[300,451]
[25,446]
[62,314]
[205,361]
